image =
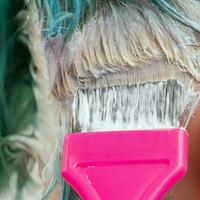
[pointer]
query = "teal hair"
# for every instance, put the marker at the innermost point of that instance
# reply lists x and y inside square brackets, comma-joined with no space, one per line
[64,16]
[170,8]
[63,19]
[17,102]
[3,109]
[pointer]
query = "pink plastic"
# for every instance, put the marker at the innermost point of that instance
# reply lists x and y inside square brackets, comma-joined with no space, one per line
[125,165]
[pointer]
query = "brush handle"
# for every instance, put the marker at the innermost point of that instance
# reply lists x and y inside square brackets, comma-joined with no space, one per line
[131,165]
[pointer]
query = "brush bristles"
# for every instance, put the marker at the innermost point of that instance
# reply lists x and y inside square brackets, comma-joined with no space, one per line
[139,106]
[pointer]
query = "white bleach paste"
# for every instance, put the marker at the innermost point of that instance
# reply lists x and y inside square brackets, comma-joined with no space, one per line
[140,106]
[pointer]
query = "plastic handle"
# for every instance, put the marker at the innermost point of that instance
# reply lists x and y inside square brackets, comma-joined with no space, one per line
[119,165]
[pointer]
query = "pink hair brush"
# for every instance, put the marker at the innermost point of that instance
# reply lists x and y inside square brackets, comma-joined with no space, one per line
[125,165]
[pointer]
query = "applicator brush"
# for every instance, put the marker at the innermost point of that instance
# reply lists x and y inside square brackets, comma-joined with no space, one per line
[127,143]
